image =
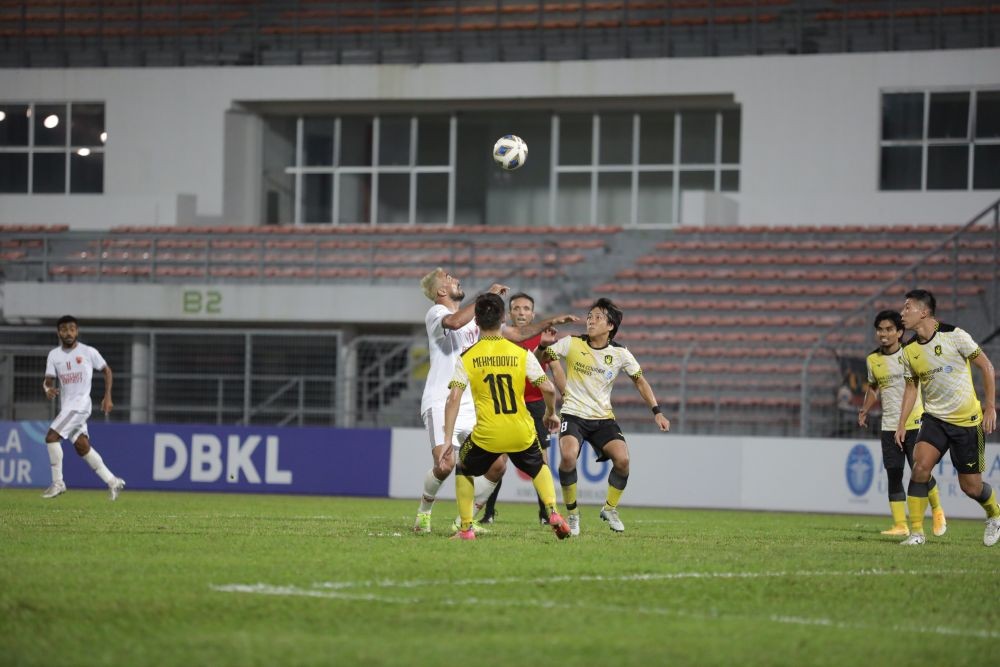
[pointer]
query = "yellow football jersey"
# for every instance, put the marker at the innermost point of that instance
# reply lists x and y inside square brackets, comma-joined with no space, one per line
[886,371]
[941,366]
[590,375]
[495,370]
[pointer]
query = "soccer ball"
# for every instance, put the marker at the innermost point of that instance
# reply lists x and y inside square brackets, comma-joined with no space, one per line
[510,152]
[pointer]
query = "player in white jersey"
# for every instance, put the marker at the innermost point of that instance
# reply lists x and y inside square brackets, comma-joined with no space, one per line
[592,364]
[74,363]
[886,381]
[451,329]
[939,360]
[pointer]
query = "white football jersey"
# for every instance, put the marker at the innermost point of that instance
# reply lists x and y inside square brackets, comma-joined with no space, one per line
[445,347]
[75,370]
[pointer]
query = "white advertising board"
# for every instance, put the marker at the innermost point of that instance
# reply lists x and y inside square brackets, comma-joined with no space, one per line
[779,474]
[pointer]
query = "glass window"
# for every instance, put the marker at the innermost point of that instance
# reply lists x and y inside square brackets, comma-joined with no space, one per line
[394,141]
[900,168]
[50,125]
[432,199]
[949,116]
[86,173]
[14,125]
[988,114]
[616,138]
[656,197]
[49,173]
[656,138]
[614,198]
[317,142]
[433,134]
[731,136]
[278,154]
[355,198]
[317,197]
[730,181]
[87,125]
[902,116]
[13,173]
[393,198]
[356,141]
[697,180]
[987,176]
[947,167]
[698,137]
[575,139]
[573,201]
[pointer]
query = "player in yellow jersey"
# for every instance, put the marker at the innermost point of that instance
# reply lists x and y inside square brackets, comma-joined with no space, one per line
[938,359]
[593,362]
[495,370]
[886,381]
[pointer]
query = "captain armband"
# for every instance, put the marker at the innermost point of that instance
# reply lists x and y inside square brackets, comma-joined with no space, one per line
[455,383]
[550,353]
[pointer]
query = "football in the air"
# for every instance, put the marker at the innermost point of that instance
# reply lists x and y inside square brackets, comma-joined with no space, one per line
[510,152]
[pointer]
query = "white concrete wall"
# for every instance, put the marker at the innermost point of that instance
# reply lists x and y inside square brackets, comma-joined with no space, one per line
[809,141]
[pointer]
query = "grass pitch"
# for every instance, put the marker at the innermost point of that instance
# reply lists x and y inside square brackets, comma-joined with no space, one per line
[217,579]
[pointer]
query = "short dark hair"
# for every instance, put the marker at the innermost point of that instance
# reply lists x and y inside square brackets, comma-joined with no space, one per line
[521,295]
[924,297]
[65,319]
[613,312]
[489,311]
[890,315]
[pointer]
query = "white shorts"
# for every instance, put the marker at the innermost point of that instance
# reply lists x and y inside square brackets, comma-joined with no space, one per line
[71,424]
[434,425]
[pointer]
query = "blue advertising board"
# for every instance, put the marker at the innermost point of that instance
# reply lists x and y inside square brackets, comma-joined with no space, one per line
[245,459]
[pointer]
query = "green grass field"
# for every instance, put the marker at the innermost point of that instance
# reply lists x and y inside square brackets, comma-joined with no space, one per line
[217,579]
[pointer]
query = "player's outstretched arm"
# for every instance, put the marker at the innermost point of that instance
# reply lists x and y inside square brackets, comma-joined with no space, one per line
[106,403]
[985,367]
[647,395]
[871,397]
[518,334]
[909,398]
[49,385]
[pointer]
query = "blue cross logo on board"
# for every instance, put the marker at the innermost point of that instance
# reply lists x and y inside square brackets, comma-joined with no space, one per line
[860,469]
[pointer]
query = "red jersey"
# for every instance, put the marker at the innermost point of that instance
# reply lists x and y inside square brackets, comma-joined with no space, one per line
[532,393]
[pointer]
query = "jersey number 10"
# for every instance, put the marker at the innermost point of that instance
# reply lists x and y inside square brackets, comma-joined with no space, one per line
[502,391]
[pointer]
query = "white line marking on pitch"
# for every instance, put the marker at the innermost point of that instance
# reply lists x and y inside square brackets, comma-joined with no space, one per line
[335,591]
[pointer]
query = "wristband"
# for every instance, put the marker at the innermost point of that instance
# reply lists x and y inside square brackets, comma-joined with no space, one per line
[656,410]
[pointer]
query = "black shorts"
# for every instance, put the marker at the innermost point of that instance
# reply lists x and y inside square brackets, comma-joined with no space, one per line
[967,443]
[598,432]
[892,455]
[537,410]
[475,461]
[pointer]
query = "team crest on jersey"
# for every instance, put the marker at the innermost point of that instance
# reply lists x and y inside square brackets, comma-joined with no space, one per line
[79,360]
[937,350]
[608,359]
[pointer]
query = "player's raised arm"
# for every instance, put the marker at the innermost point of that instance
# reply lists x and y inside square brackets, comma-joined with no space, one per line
[647,395]
[985,366]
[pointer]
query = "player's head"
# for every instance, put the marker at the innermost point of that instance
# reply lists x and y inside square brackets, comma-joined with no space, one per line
[522,309]
[888,328]
[489,311]
[439,283]
[604,317]
[919,304]
[66,327]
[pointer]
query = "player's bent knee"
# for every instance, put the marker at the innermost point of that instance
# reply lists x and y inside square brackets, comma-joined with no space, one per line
[82,446]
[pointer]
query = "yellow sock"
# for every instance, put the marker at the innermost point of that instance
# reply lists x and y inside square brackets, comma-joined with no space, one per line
[569,497]
[614,495]
[465,492]
[917,506]
[898,509]
[545,488]
[991,507]
[934,498]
